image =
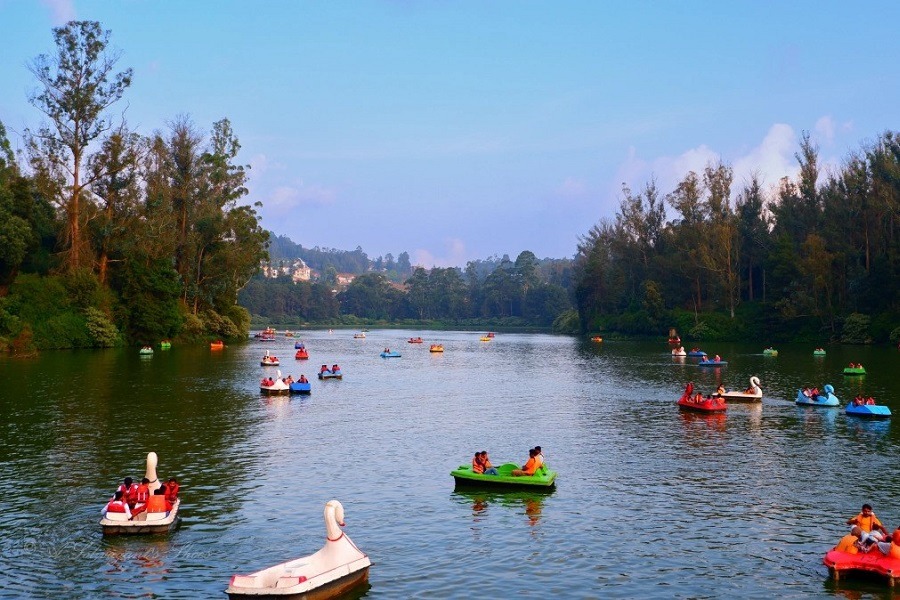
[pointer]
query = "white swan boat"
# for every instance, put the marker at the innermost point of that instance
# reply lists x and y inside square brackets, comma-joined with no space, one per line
[679,351]
[278,386]
[332,571]
[155,522]
[752,394]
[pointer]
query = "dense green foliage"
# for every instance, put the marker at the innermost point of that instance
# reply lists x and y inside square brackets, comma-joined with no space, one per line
[527,292]
[817,260]
[112,237]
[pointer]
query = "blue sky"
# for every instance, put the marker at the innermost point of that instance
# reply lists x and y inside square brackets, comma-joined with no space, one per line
[458,130]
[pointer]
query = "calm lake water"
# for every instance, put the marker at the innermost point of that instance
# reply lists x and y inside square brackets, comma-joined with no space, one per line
[650,502]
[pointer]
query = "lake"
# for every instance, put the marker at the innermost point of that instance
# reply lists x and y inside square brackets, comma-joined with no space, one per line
[650,502]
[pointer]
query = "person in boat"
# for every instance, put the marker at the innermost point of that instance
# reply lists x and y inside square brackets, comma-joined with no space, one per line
[720,391]
[689,389]
[324,369]
[117,505]
[698,398]
[529,468]
[489,469]
[851,543]
[387,350]
[129,491]
[858,401]
[289,379]
[814,393]
[891,548]
[303,379]
[717,358]
[870,401]
[872,529]
[141,497]
[158,501]
[335,368]
[539,456]
[172,488]
[477,465]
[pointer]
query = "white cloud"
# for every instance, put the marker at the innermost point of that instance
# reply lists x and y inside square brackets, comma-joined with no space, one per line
[454,255]
[772,159]
[825,128]
[61,11]
[284,199]
[572,188]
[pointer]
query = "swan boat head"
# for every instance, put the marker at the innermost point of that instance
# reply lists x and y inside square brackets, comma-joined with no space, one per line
[150,473]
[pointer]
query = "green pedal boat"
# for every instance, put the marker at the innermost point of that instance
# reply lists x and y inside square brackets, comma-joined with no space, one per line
[543,478]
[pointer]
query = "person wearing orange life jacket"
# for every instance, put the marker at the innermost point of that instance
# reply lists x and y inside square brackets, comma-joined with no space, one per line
[117,505]
[335,368]
[477,465]
[872,529]
[157,502]
[172,488]
[529,468]
[324,369]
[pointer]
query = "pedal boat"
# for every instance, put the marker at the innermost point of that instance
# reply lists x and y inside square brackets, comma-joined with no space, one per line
[706,405]
[333,571]
[712,363]
[436,348]
[277,388]
[755,395]
[156,522]
[543,478]
[327,374]
[828,399]
[391,354]
[854,371]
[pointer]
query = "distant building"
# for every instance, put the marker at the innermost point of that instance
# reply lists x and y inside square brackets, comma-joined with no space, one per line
[297,270]
[345,279]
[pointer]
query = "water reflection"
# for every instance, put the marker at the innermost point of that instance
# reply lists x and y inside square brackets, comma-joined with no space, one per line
[711,420]
[530,502]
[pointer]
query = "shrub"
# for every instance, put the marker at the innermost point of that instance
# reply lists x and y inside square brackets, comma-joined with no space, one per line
[103,332]
[856,329]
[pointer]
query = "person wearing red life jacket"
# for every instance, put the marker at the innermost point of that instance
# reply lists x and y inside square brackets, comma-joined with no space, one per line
[117,505]
[141,496]
[129,491]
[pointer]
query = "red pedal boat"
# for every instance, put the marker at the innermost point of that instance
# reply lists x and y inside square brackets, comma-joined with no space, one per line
[704,404]
[841,563]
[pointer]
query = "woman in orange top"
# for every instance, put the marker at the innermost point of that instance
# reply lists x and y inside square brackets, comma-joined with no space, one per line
[529,468]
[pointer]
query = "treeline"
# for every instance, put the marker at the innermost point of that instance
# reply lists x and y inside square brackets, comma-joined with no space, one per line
[108,236]
[525,292]
[819,258]
[331,261]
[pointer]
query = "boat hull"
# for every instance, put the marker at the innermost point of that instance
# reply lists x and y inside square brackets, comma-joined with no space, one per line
[843,563]
[331,376]
[742,397]
[390,355]
[544,479]
[869,411]
[849,371]
[142,527]
[301,388]
[332,589]
[712,363]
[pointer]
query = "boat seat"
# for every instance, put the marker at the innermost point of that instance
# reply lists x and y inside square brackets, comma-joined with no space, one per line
[157,516]
[116,516]
[289,581]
